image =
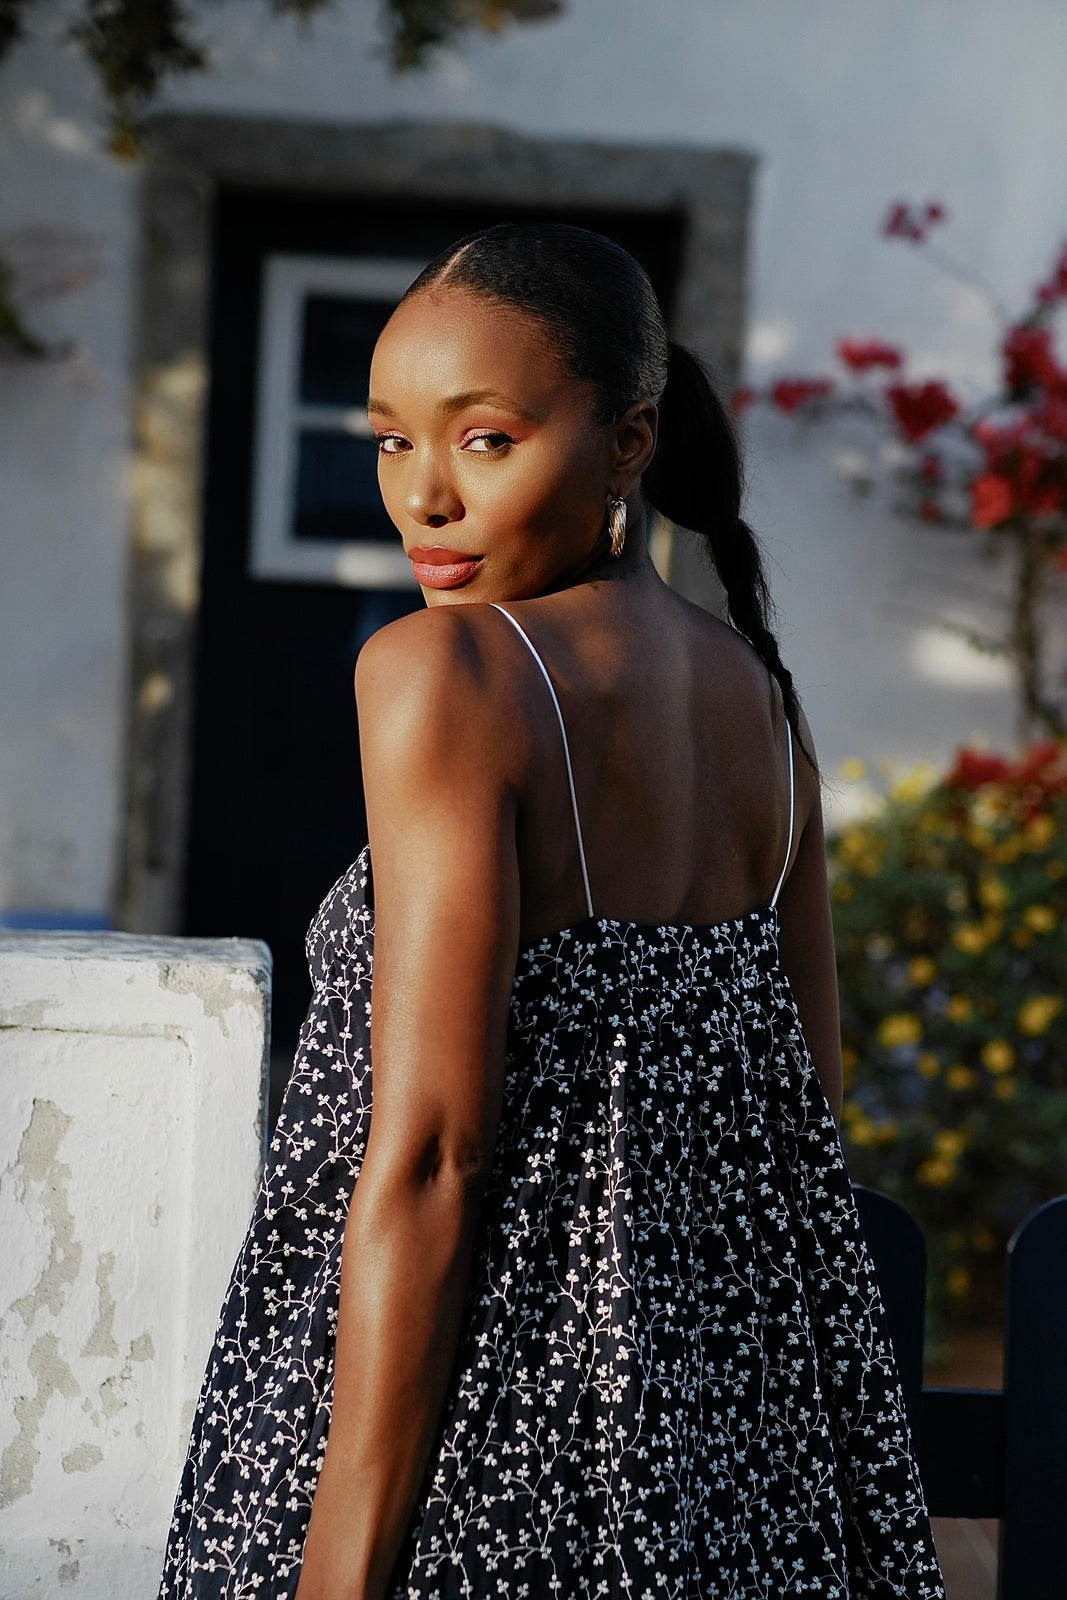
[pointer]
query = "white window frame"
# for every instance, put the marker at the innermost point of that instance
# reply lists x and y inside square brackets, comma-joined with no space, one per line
[274,552]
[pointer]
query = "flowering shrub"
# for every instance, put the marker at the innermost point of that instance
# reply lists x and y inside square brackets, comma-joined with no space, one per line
[950,916]
[996,465]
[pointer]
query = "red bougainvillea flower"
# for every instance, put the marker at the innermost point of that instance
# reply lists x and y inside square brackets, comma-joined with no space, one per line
[1055,287]
[1040,760]
[930,469]
[742,398]
[1028,360]
[862,354]
[929,510]
[1001,442]
[1023,473]
[1041,481]
[907,222]
[789,394]
[920,408]
[971,768]
[992,501]
[1052,416]
[1039,774]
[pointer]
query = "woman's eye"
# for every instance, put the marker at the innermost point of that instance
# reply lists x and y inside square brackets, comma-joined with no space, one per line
[484,443]
[391,444]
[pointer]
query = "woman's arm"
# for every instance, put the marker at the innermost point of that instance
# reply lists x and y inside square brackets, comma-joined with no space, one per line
[439,760]
[806,942]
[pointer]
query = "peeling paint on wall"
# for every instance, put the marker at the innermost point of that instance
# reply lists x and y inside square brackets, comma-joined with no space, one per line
[101,1342]
[53,1376]
[118,1246]
[38,1164]
[82,1458]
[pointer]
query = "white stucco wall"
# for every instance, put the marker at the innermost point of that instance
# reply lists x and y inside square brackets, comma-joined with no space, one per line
[131,1099]
[848,106]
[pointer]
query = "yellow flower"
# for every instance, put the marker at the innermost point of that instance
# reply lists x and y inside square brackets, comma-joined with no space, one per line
[958,1280]
[928,1064]
[914,784]
[842,890]
[1041,918]
[1055,868]
[950,1141]
[861,1128]
[987,807]
[1020,937]
[958,1008]
[970,937]
[983,1239]
[936,1172]
[869,863]
[921,971]
[849,1056]
[1006,851]
[1040,831]
[1035,1014]
[978,836]
[1004,1088]
[998,1056]
[899,1027]
[959,1076]
[853,769]
[956,898]
[852,842]
[992,891]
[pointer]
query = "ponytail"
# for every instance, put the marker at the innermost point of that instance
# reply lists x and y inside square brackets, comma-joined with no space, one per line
[696,479]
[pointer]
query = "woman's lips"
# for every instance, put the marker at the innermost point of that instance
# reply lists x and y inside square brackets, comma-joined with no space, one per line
[437,568]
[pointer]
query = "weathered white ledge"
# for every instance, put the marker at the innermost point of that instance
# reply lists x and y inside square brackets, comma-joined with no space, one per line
[133,1075]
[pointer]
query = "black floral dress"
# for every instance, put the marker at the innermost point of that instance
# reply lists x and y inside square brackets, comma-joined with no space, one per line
[674,1380]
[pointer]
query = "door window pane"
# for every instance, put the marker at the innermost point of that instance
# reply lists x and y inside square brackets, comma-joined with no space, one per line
[337,488]
[317,515]
[339,335]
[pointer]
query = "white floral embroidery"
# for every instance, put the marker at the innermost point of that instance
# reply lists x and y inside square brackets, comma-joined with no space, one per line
[674,1380]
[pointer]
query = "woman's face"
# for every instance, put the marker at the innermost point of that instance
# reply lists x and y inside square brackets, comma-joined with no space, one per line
[489,460]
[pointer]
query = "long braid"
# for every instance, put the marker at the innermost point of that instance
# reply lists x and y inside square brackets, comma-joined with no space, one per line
[696,480]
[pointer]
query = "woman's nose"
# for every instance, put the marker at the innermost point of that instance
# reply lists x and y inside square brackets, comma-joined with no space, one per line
[432,498]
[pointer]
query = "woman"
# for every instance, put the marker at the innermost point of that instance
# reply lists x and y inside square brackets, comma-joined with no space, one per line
[597,1318]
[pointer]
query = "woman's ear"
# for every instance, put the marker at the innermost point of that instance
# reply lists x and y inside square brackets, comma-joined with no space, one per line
[634,443]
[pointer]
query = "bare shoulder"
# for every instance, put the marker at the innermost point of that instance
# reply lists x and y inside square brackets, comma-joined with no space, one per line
[438,659]
[419,651]
[436,680]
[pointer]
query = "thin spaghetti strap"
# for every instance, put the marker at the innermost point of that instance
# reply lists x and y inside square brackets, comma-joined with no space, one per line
[566,748]
[789,844]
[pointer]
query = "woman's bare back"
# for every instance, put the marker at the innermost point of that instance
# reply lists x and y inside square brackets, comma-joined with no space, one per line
[677,737]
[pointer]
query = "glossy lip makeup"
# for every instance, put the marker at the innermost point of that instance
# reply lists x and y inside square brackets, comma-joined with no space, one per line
[438,568]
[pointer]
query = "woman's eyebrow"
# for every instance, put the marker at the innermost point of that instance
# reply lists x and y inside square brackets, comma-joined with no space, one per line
[475,397]
[458,402]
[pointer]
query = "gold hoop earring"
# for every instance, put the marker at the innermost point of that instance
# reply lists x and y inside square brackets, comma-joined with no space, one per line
[617,525]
